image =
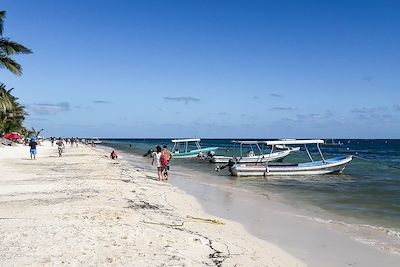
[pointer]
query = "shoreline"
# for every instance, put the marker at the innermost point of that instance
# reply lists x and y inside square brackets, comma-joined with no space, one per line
[297,234]
[85,209]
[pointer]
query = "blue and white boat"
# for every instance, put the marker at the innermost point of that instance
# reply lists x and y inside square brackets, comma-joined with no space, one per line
[324,166]
[189,148]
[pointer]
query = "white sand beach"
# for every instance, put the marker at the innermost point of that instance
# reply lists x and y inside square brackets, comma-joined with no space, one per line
[84,209]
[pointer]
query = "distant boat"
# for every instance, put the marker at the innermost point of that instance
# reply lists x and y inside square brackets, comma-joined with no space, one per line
[324,166]
[284,147]
[332,142]
[254,157]
[181,148]
[96,141]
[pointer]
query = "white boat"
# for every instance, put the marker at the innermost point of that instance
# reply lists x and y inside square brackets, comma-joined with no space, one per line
[324,166]
[251,156]
[96,141]
[284,147]
[181,148]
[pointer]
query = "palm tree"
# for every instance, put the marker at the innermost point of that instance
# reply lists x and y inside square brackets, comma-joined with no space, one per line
[34,132]
[5,100]
[9,48]
[12,113]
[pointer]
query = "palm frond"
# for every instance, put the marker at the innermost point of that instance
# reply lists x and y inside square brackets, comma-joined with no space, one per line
[2,16]
[12,48]
[11,65]
[9,48]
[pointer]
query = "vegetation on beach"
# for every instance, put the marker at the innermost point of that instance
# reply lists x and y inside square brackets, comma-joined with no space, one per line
[12,113]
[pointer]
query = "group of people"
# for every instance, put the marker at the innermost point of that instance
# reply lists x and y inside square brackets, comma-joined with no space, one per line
[162,157]
[71,141]
[60,146]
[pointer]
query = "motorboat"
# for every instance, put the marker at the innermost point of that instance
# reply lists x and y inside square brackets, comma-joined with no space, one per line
[96,141]
[252,156]
[332,142]
[189,148]
[285,147]
[323,166]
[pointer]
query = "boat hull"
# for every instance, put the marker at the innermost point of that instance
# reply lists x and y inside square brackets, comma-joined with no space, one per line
[335,165]
[256,159]
[193,153]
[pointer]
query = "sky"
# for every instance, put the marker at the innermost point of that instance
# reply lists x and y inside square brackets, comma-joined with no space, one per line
[208,69]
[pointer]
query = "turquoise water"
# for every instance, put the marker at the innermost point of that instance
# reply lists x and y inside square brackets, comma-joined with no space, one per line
[367,193]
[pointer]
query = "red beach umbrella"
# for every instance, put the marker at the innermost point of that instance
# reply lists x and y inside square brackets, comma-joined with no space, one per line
[13,136]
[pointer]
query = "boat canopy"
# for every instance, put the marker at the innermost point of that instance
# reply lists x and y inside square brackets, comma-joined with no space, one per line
[252,142]
[295,142]
[185,140]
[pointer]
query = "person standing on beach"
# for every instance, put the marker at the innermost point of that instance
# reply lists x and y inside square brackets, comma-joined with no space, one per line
[33,150]
[156,158]
[61,146]
[165,159]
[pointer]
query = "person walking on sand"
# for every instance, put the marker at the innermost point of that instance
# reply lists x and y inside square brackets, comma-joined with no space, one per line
[61,146]
[156,158]
[164,160]
[33,150]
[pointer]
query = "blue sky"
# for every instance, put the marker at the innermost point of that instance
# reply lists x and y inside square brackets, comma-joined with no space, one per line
[263,69]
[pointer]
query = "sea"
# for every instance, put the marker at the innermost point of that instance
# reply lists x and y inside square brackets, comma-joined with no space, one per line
[365,197]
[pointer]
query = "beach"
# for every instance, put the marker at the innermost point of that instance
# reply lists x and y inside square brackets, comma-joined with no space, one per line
[311,235]
[86,209]
[214,133]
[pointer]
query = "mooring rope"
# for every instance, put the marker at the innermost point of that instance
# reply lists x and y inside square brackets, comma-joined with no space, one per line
[388,165]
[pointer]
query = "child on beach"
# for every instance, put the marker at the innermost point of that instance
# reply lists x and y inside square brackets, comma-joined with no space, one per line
[33,150]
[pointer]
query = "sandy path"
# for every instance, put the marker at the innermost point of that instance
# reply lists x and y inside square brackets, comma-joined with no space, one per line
[85,209]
